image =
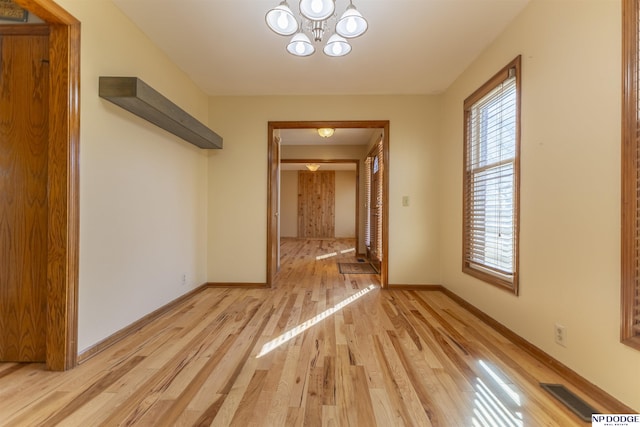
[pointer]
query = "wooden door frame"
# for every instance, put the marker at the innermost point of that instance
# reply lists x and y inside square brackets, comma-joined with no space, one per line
[374,152]
[63,182]
[271,210]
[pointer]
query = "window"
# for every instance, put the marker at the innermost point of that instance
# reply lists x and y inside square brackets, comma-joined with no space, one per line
[630,295]
[491,179]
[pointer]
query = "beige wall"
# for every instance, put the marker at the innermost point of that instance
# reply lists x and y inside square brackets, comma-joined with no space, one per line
[345,204]
[570,188]
[239,230]
[324,152]
[143,191]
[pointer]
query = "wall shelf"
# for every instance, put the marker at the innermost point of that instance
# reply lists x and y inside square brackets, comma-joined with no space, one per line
[139,98]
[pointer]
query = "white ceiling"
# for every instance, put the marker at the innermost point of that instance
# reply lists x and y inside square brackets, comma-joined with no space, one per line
[343,136]
[411,46]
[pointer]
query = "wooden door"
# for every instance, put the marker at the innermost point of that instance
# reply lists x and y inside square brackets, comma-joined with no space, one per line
[274,194]
[24,98]
[376,204]
[316,204]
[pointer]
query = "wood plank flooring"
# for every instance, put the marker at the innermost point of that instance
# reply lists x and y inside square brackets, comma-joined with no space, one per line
[360,356]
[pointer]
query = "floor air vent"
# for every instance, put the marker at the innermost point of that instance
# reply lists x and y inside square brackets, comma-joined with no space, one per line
[578,406]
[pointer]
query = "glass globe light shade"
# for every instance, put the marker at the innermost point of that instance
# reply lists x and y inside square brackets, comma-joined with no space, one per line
[326,132]
[281,21]
[317,10]
[352,23]
[300,45]
[337,46]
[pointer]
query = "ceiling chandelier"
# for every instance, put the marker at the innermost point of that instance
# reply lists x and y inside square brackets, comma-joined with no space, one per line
[316,16]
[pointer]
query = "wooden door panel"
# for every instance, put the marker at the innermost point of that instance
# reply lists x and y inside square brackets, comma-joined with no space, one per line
[274,203]
[376,205]
[24,92]
[316,204]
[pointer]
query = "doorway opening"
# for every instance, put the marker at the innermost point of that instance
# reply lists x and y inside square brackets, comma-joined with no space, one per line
[289,144]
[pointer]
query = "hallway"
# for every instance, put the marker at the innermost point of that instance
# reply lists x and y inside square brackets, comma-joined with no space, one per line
[319,348]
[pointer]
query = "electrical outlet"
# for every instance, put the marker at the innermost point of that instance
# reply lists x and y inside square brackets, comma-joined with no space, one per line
[560,333]
[184,279]
[405,201]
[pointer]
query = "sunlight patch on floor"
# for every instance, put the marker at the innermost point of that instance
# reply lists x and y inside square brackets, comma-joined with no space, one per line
[332,254]
[490,410]
[292,333]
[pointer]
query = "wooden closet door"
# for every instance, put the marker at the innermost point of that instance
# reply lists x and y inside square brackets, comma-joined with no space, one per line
[375,171]
[316,204]
[24,99]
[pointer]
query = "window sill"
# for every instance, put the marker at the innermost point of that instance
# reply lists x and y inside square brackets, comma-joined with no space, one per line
[633,342]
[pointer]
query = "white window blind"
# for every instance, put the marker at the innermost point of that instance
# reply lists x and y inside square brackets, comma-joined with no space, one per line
[377,173]
[367,192]
[490,193]
[378,169]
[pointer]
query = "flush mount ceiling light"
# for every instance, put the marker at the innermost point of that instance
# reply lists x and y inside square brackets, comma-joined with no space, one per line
[326,132]
[316,17]
[312,166]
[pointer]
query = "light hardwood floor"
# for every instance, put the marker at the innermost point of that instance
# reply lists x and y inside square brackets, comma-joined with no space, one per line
[374,357]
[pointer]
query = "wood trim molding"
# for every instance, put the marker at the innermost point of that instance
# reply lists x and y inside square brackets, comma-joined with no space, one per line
[384,267]
[321,161]
[63,216]
[231,285]
[18,29]
[137,325]
[365,124]
[49,11]
[273,183]
[629,168]
[398,287]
